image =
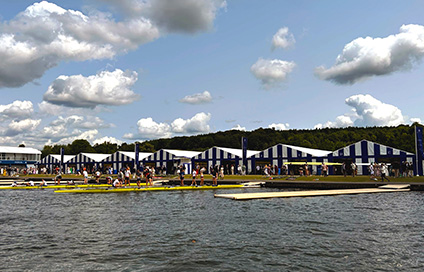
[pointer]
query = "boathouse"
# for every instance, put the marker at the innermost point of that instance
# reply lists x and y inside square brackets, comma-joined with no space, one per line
[18,157]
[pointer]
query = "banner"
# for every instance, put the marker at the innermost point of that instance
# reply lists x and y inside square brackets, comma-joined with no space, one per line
[62,158]
[244,150]
[137,158]
[419,150]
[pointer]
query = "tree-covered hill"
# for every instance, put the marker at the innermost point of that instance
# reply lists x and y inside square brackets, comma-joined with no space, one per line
[401,137]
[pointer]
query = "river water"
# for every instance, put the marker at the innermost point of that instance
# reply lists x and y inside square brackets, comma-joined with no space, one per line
[193,231]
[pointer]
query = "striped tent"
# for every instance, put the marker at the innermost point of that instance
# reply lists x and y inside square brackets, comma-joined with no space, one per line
[121,159]
[87,160]
[224,156]
[171,159]
[365,152]
[53,160]
[279,154]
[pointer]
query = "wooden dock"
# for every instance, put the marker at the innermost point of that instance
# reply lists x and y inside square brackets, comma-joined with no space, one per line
[383,189]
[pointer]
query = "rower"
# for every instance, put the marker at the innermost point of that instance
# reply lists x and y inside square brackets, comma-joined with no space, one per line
[108,180]
[30,183]
[117,183]
[57,179]
[14,184]
[43,183]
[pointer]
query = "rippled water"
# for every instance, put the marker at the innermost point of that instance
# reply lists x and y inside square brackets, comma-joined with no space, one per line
[193,231]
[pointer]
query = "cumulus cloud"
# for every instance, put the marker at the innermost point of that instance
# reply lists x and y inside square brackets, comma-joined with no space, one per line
[283,39]
[366,57]
[107,139]
[272,72]
[149,129]
[105,88]
[416,120]
[373,112]
[279,126]
[367,111]
[341,121]
[17,109]
[197,124]
[45,34]
[198,98]
[238,127]
[22,126]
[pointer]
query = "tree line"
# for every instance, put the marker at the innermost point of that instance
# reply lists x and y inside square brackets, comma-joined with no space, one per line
[401,137]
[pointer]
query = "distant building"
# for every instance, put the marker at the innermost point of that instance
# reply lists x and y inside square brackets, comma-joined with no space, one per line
[20,157]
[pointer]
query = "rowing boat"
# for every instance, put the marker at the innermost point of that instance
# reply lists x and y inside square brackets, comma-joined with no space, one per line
[146,189]
[61,186]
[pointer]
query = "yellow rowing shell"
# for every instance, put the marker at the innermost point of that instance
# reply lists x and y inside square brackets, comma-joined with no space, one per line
[146,189]
[61,186]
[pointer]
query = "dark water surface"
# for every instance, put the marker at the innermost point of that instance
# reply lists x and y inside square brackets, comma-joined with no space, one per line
[193,231]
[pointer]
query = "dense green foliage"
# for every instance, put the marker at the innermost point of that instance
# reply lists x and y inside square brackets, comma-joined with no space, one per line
[401,137]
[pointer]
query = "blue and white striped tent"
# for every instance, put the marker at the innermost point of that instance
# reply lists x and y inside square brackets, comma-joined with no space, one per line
[121,159]
[53,160]
[87,160]
[364,152]
[224,156]
[171,159]
[281,153]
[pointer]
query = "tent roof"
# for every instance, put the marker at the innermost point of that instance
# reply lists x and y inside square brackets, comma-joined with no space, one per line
[238,152]
[141,155]
[409,153]
[311,151]
[65,157]
[19,150]
[96,156]
[182,153]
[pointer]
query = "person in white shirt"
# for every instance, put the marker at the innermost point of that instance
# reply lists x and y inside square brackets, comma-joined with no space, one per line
[127,175]
[193,181]
[117,183]
[85,174]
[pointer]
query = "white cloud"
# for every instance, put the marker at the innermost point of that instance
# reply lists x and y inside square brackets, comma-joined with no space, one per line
[238,127]
[366,57]
[279,126]
[197,124]
[149,129]
[107,139]
[45,34]
[17,109]
[23,126]
[416,120]
[367,111]
[372,112]
[198,98]
[283,39]
[341,121]
[89,135]
[105,88]
[272,72]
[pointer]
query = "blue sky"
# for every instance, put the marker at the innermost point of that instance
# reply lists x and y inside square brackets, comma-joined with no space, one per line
[132,70]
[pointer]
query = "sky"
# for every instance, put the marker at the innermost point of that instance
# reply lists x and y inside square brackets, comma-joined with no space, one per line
[136,70]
